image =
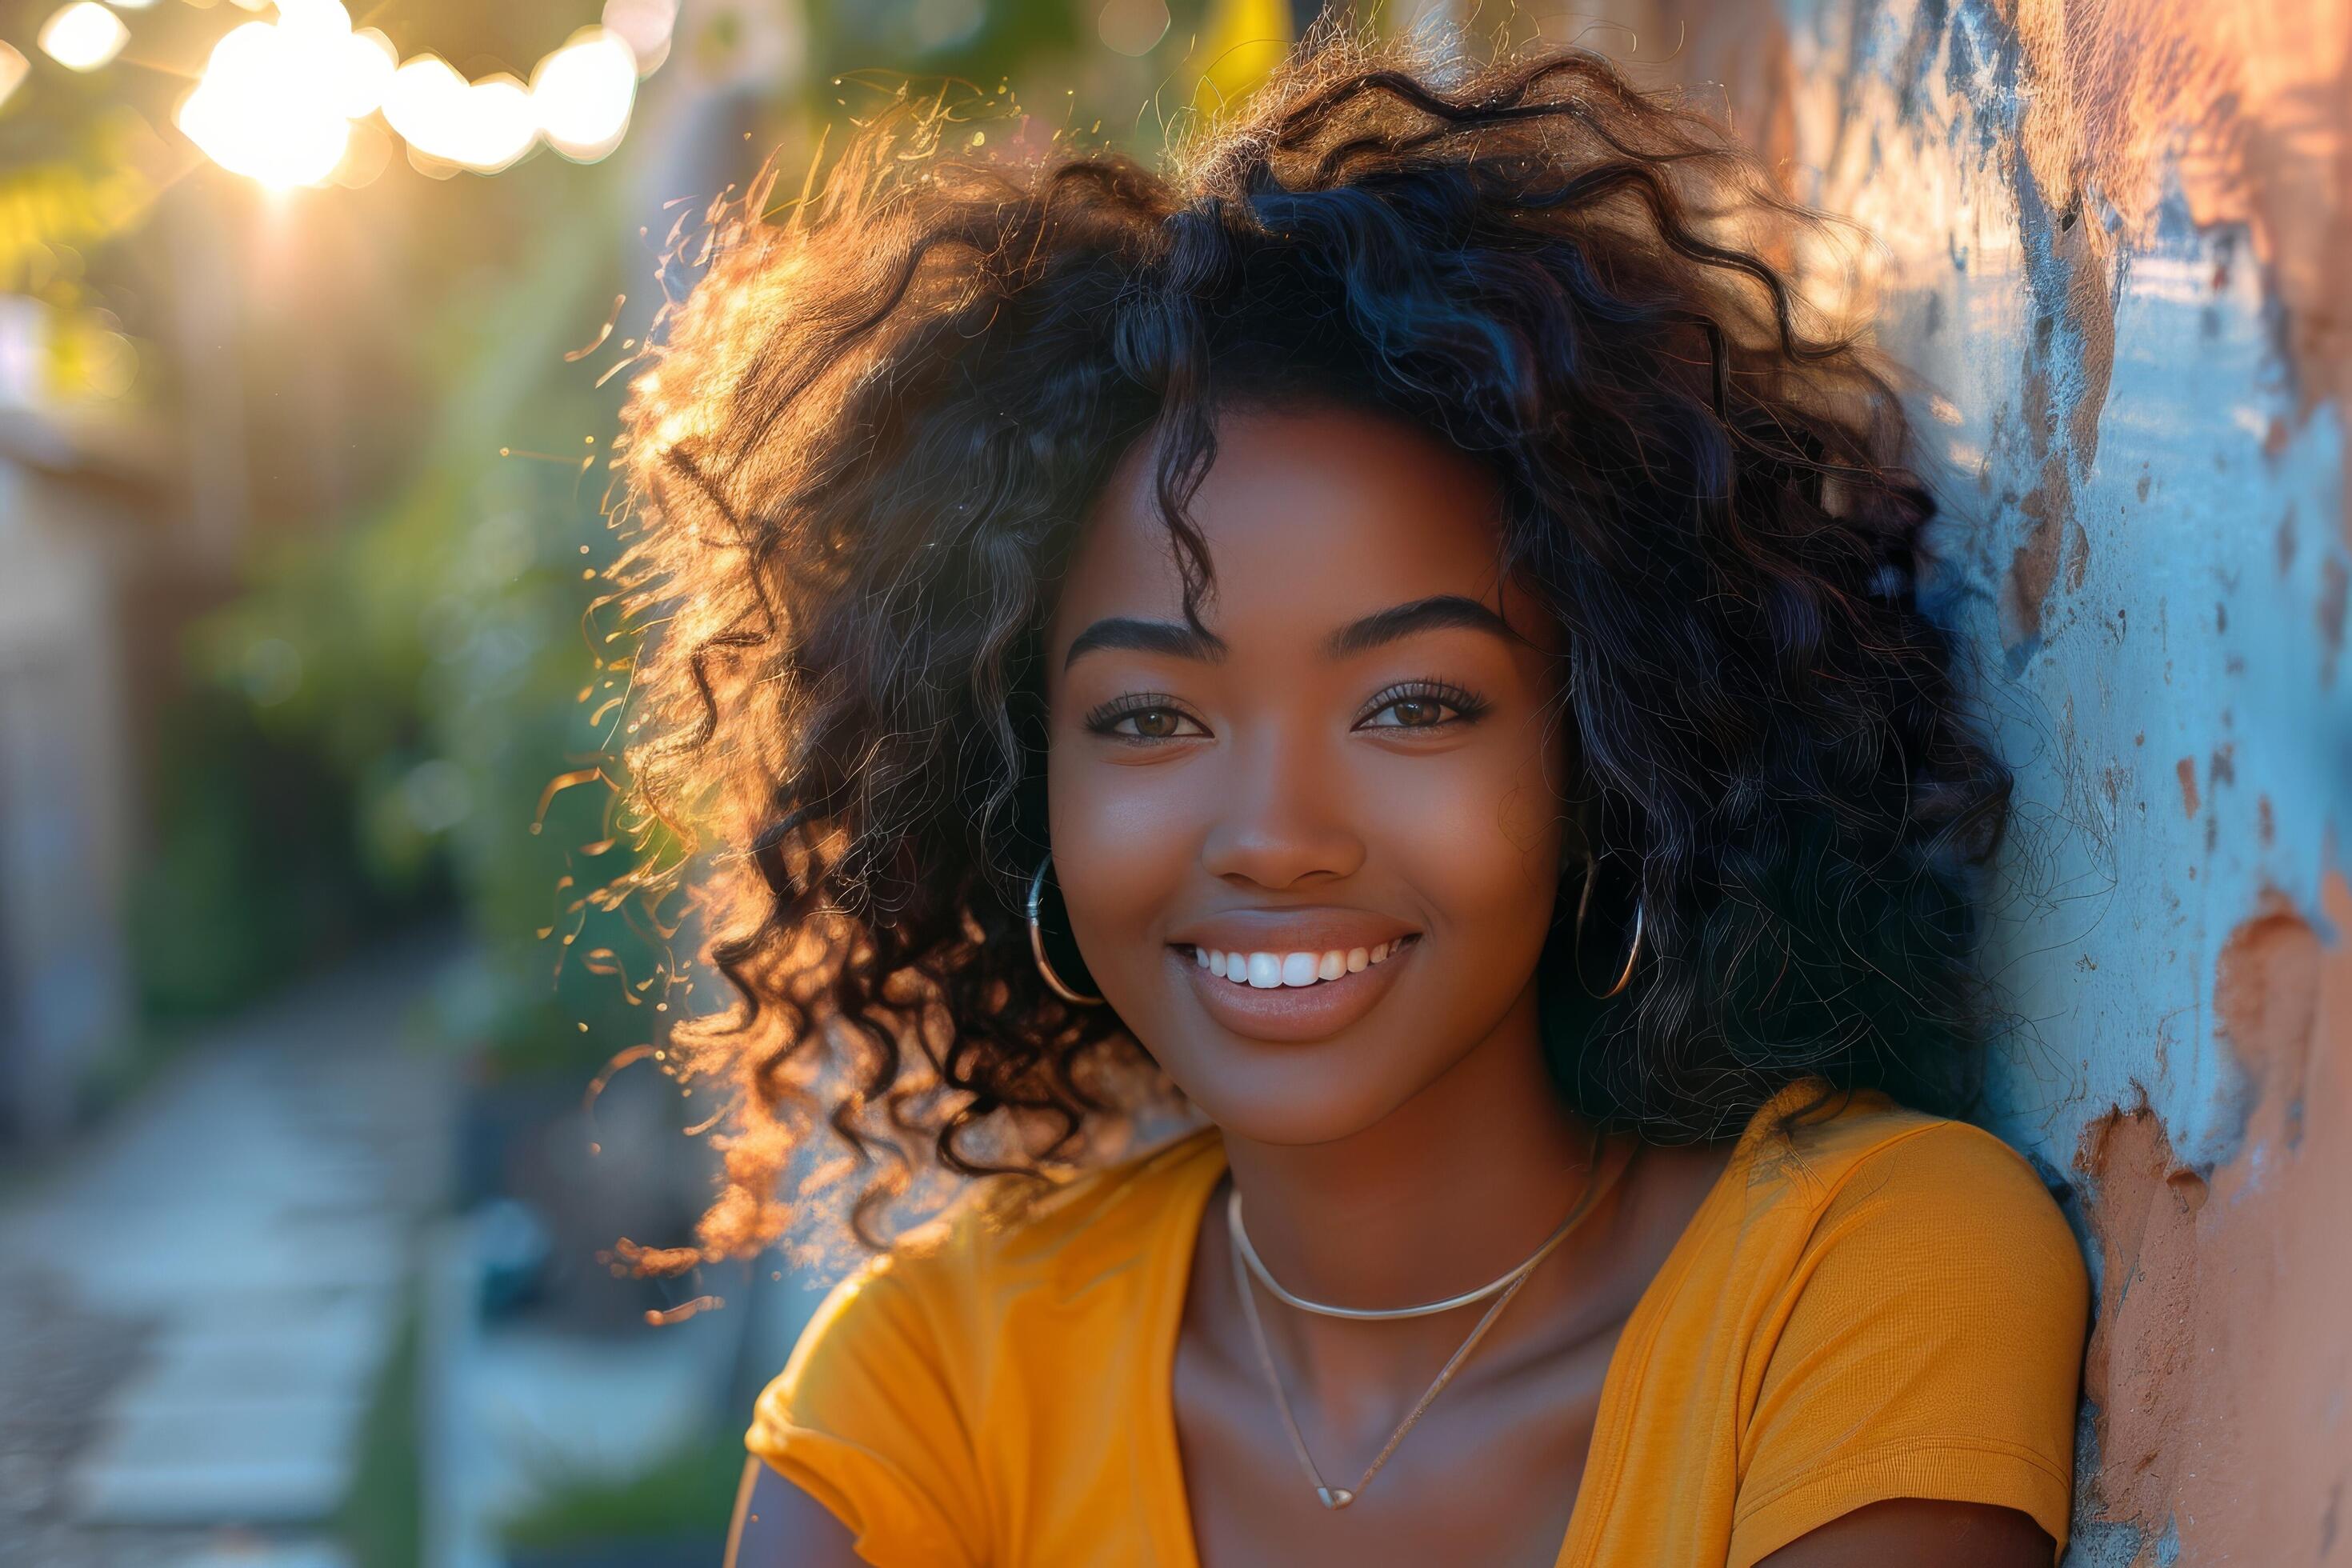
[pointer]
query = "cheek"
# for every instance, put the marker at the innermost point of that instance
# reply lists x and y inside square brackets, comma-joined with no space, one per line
[1121,851]
[1478,835]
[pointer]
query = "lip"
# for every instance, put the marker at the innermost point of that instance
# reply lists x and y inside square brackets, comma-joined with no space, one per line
[1292,1015]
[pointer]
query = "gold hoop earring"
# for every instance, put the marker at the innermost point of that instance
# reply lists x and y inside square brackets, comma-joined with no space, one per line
[1576,956]
[1054,981]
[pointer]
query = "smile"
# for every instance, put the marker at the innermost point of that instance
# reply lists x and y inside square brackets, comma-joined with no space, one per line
[1268,971]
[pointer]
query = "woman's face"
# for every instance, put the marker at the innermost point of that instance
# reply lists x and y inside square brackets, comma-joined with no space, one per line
[1361,761]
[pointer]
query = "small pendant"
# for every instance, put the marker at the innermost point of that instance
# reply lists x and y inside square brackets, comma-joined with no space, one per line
[1335,1497]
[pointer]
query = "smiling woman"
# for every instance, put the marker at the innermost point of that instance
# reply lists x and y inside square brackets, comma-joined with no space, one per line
[1370,714]
[1393,632]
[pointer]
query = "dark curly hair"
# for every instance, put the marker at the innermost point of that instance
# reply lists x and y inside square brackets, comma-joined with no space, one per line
[859,459]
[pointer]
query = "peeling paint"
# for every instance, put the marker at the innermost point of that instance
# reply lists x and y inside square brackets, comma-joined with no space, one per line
[2217,1374]
[2114,245]
[2069,366]
[2266,995]
[2144,1213]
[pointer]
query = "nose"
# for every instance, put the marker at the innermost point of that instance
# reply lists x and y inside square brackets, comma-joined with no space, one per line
[1284,820]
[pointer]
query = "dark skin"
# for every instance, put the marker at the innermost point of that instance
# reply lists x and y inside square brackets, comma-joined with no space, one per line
[1362,755]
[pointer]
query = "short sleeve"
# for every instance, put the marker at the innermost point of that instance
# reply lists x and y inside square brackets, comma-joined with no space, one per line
[864,1418]
[1929,1345]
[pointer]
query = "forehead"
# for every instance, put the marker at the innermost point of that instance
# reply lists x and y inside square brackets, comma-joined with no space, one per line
[1312,517]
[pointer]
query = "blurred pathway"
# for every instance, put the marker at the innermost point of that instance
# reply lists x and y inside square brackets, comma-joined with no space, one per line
[197,1306]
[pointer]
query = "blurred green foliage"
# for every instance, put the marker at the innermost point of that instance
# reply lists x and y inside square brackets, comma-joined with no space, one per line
[371,725]
[381,1522]
[686,1495]
[256,873]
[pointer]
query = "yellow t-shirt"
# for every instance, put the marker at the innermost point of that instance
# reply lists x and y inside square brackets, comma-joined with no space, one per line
[1877,1304]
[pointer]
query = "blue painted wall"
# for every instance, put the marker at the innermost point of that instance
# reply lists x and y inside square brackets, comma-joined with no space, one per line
[2096,246]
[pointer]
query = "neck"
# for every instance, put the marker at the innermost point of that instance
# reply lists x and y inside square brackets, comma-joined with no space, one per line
[1453,1187]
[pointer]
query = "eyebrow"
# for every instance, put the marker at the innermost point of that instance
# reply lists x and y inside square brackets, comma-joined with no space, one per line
[1146,636]
[1437,613]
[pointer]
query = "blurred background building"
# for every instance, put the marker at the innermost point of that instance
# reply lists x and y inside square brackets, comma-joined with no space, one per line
[314,320]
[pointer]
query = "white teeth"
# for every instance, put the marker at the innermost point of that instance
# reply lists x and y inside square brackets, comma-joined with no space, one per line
[1270,971]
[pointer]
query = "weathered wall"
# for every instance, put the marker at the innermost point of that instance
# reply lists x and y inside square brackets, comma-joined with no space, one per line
[2117,247]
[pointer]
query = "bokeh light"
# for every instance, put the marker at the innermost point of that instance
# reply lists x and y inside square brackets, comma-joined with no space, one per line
[483,126]
[645,26]
[420,90]
[14,68]
[1133,27]
[83,36]
[290,102]
[366,60]
[583,93]
[268,106]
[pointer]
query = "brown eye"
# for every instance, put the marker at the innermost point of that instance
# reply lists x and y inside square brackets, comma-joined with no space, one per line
[1414,712]
[1423,705]
[1152,721]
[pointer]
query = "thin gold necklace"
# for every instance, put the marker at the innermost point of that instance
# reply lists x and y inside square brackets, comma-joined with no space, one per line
[1245,1263]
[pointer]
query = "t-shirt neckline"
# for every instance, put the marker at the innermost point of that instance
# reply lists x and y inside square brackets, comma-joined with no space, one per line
[1174,1541]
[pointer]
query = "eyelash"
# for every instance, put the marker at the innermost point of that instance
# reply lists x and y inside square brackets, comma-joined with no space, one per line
[1467,707]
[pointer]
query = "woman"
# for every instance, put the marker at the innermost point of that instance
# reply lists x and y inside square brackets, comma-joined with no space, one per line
[1395,630]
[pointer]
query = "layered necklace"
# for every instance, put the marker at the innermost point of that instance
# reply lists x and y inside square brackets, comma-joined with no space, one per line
[1247,1264]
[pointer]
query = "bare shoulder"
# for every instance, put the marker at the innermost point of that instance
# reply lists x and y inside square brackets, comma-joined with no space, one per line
[1923,1533]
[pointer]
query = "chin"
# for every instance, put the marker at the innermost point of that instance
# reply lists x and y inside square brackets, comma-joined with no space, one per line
[1294,1095]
